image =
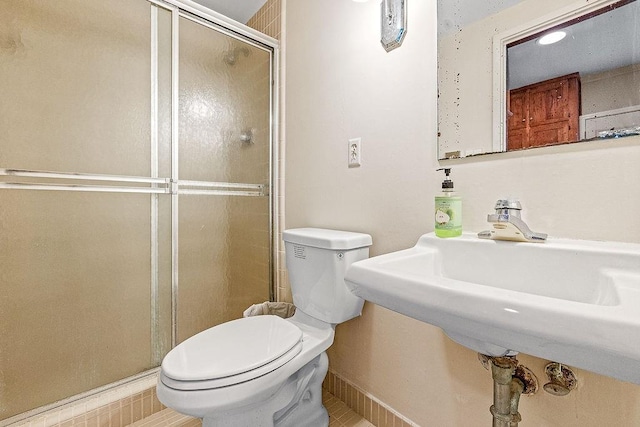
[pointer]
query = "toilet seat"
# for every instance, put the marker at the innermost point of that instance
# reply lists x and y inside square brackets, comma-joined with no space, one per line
[231,353]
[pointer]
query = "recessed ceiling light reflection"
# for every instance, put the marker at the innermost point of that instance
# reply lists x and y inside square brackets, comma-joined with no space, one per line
[511,310]
[551,38]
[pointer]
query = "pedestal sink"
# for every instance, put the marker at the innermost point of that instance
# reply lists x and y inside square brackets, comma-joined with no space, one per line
[570,301]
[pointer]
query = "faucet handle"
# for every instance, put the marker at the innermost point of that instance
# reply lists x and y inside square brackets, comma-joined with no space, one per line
[508,204]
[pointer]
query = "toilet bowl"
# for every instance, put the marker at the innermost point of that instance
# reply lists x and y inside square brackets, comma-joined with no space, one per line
[265,370]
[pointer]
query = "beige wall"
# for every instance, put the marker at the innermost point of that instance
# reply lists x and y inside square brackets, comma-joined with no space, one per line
[341,84]
[610,90]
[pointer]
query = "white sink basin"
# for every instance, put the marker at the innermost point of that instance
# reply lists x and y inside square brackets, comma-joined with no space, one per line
[570,301]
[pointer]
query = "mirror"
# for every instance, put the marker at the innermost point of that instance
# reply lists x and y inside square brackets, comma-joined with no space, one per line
[500,89]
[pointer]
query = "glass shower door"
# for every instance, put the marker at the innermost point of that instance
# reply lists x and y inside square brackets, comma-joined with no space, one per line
[135,166]
[224,168]
[82,229]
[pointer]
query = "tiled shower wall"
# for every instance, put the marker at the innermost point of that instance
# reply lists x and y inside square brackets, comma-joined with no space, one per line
[267,19]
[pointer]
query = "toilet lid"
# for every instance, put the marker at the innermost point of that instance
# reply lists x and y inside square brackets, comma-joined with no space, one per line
[232,348]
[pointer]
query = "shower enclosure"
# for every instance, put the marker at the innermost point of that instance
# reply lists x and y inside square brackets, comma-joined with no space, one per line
[136,162]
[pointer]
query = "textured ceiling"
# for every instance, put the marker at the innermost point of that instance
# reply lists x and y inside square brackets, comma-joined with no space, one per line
[605,42]
[602,43]
[238,10]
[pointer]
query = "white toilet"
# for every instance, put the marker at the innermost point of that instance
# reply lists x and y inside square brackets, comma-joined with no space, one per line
[265,370]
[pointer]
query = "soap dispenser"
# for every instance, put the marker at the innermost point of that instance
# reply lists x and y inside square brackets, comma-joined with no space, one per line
[448,215]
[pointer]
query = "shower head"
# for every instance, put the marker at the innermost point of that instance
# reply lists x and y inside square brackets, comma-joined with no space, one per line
[231,56]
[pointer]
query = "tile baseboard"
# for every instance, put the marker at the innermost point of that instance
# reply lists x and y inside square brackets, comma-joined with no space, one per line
[364,404]
[116,407]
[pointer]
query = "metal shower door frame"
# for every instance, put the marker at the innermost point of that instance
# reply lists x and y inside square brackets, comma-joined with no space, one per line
[192,11]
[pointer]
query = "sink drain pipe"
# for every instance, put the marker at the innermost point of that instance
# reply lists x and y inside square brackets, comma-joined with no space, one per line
[507,389]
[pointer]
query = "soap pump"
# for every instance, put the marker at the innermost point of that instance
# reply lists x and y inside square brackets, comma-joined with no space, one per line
[448,212]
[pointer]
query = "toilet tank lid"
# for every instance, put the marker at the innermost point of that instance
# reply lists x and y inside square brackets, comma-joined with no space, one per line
[327,239]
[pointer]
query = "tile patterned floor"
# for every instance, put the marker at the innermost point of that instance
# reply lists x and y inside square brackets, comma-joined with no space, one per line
[167,418]
[339,416]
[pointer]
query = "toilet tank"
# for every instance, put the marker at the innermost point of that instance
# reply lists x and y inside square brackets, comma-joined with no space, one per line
[317,260]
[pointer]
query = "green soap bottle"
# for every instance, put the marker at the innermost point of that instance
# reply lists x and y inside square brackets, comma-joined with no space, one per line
[448,215]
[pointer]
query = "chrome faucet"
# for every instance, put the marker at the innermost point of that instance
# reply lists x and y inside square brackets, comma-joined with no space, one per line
[508,225]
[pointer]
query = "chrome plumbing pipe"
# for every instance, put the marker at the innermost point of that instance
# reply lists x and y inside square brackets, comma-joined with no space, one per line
[506,392]
[517,388]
